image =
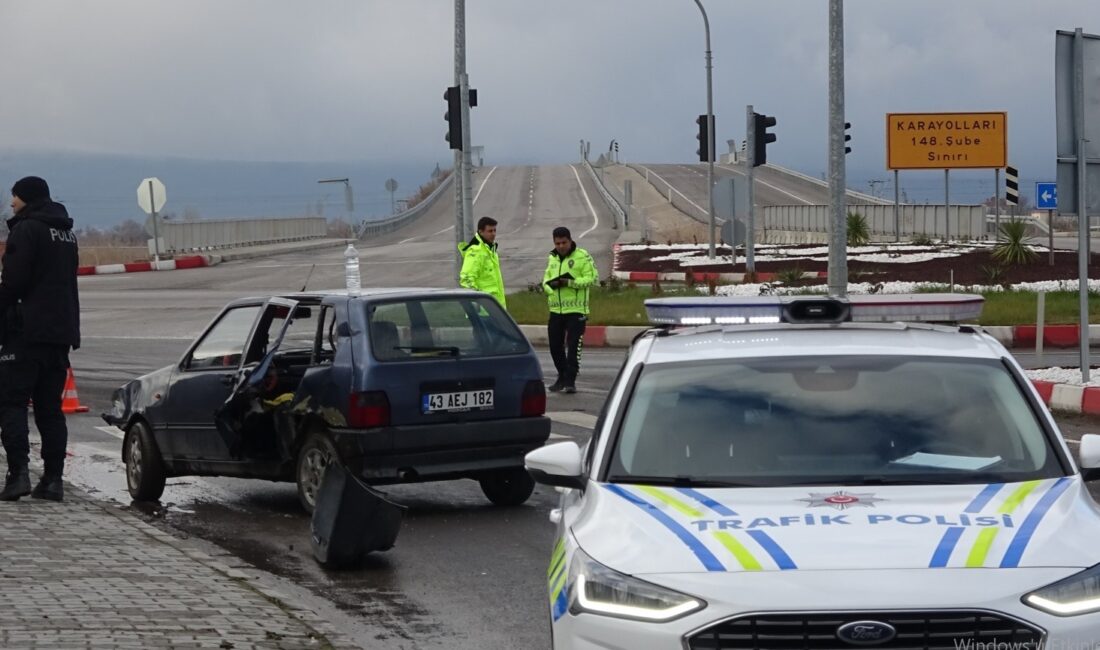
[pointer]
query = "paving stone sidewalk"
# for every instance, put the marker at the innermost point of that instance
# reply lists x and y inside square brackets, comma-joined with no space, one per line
[86,574]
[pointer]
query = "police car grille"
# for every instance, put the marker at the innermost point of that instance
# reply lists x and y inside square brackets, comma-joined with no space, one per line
[915,631]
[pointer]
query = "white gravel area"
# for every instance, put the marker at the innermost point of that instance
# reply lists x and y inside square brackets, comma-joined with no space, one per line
[1063,376]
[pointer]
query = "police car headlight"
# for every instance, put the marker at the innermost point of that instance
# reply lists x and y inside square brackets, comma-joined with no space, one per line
[596,589]
[1077,594]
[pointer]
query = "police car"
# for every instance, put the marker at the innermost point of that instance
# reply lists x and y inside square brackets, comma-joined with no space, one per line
[779,473]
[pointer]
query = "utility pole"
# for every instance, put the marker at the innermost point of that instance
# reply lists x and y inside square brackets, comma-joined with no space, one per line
[750,164]
[460,171]
[838,240]
[710,134]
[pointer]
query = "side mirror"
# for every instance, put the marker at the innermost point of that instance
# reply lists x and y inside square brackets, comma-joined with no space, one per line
[560,465]
[1089,457]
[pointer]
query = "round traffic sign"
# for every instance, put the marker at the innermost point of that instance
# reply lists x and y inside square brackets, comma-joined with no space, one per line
[391,185]
[151,195]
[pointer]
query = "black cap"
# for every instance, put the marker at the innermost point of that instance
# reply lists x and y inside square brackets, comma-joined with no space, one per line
[31,189]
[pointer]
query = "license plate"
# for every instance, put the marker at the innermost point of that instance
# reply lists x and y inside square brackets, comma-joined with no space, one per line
[470,400]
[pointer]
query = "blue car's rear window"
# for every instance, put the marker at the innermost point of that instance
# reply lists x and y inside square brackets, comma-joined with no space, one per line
[430,328]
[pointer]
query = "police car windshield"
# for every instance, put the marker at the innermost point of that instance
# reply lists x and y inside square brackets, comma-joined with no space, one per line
[832,420]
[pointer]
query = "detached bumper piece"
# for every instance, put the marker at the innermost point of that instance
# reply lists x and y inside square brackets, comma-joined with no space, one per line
[351,520]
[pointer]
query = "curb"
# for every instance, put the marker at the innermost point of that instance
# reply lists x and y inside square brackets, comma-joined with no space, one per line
[703,276]
[1069,398]
[595,336]
[179,263]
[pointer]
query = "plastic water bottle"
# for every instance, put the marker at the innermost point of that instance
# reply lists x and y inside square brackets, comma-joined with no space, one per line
[351,269]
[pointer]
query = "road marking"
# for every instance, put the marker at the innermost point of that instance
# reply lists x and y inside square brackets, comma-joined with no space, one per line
[1073,442]
[595,219]
[575,418]
[448,228]
[483,184]
[113,431]
[558,436]
[767,184]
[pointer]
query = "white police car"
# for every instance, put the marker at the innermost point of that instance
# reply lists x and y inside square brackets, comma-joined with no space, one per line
[813,473]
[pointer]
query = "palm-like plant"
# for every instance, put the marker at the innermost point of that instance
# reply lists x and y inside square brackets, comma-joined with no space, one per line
[859,233]
[1012,245]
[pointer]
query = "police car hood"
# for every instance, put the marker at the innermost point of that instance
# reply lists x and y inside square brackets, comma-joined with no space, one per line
[644,529]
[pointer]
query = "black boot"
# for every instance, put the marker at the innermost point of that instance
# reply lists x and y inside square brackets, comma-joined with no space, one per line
[556,386]
[18,484]
[50,487]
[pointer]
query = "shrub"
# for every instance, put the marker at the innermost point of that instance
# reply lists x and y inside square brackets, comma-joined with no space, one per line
[994,274]
[858,231]
[790,276]
[921,240]
[1012,245]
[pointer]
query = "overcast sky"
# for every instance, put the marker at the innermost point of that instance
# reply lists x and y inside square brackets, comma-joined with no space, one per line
[281,80]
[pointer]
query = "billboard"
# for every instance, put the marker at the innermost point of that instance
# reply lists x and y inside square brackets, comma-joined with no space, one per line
[946,140]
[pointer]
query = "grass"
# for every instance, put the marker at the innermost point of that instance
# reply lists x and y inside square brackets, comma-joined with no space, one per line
[625,307]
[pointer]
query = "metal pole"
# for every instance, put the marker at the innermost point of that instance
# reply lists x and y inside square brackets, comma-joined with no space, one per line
[750,165]
[838,242]
[947,204]
[1040,318]
[156,235]
[467,155]
[1082,198]
[897,207]
[1050,234]
[997,202]
[460,68]
[710,137]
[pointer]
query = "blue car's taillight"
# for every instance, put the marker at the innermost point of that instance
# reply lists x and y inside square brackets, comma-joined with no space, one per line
[370,409]
[534,399]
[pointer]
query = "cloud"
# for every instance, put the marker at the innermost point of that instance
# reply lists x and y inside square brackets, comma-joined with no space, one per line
[364,79]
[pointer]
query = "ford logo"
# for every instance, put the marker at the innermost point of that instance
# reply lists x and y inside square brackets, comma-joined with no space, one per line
[866,633]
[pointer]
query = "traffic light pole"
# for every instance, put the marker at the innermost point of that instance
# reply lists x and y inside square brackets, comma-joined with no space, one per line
[838,239]
[710,134]
[750,165]
[467,160]
[459,177]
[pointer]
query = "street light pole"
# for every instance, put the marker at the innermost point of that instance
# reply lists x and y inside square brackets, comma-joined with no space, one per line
[710,134]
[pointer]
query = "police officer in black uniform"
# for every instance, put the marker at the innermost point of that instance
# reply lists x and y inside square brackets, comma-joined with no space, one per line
[40,313]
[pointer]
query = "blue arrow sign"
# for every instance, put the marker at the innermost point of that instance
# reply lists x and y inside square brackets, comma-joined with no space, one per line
[1046,196]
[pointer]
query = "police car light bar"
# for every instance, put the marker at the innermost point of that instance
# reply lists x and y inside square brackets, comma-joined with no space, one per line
[754,310]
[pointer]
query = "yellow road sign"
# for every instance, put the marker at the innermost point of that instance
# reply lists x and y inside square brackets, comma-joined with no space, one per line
[946,140]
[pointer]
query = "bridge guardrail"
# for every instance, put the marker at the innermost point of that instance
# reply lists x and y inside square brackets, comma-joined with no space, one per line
[617,207]
[967,221]
[873,200]
[677,198]
[189,236]
[390,224]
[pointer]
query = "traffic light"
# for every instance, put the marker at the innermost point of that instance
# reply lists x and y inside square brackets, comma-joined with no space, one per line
[453,116]
[706,128]
[761,137]
[847,138]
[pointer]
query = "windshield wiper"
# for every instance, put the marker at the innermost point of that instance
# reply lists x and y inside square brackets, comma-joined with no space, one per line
[677,481]
[449,349]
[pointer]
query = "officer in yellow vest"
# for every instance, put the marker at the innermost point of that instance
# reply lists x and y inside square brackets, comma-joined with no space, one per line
[570,272]
[481,263]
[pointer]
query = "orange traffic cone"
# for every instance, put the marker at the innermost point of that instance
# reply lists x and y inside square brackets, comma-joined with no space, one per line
[70,403]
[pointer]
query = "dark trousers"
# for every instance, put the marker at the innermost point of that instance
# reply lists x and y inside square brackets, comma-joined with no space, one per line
[566,333]
[33,372]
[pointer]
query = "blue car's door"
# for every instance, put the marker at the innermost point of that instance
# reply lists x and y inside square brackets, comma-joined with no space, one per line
[207,376]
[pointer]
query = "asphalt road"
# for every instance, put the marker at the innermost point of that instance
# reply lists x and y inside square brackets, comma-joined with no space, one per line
[771,186]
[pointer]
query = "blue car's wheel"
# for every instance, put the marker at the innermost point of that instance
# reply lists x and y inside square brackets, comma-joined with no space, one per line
[145,475]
